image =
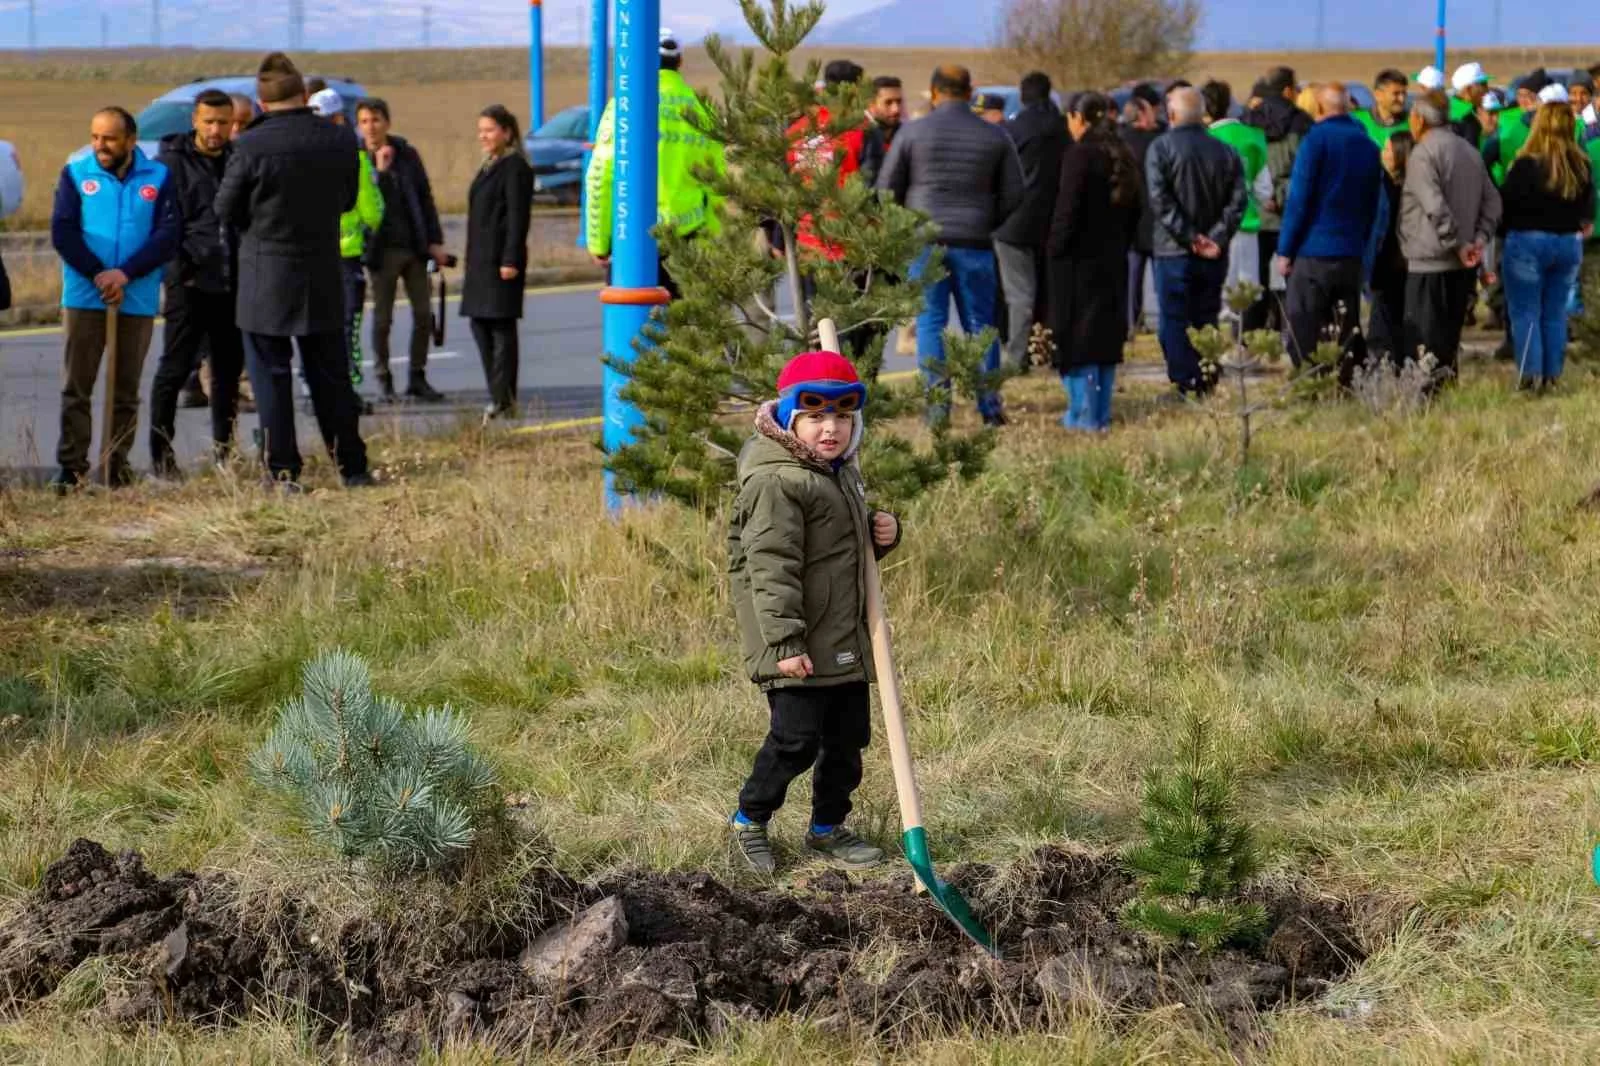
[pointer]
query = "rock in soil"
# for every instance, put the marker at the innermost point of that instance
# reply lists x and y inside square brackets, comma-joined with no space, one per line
[656,957]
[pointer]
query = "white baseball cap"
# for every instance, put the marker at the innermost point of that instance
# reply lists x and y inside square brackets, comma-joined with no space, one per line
[1430,78]
[1554,93]
[669,48]
[327,103]
[1467,75]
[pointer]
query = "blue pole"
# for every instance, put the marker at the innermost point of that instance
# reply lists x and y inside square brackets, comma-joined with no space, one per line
[598,46]
[535,64]
[1438,44]
[634,287]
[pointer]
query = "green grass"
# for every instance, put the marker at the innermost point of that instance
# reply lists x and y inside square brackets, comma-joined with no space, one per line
[1392,624]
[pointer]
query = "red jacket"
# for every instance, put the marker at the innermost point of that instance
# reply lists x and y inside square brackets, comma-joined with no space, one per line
[812,151]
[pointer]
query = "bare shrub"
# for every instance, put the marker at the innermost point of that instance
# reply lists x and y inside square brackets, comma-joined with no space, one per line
[1094,44]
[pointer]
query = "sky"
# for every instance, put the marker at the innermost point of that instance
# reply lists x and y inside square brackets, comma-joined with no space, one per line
[353,24]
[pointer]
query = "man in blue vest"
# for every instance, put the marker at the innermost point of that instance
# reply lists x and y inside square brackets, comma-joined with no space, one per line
[115,225]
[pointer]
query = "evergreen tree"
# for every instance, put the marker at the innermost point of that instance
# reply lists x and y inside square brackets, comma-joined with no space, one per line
[1197,854]
[372,779]
[720,346]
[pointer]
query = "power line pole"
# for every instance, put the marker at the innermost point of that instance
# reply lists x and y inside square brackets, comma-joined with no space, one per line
[1322,23]
[33,30]
[297,24]
[155,22]
[427,26]
[105,30]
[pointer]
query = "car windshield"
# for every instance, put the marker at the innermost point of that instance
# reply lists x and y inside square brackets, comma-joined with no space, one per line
[162,118]
[569,125]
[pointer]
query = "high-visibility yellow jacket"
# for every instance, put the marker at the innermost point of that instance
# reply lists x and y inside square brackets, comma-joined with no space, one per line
[363,220]
[681,198]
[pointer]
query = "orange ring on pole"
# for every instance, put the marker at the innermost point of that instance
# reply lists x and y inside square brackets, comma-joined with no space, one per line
[650,296]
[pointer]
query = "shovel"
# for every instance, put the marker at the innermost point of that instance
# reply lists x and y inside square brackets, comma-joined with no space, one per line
[913,837]
[109,405]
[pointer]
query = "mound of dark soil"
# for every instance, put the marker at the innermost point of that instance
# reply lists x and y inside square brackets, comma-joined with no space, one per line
[642,957]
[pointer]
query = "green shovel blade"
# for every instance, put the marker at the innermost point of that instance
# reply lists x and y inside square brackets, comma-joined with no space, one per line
[952,902]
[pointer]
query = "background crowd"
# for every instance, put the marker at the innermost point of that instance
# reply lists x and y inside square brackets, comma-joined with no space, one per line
[1370,233]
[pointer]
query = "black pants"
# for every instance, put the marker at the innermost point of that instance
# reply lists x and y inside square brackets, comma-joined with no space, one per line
[1436,309]
[822,729]
[355,309]
[1265,311]
[1386,327]
[497,347]
[196,321]
[395,266]
[1324,303]
[322,360]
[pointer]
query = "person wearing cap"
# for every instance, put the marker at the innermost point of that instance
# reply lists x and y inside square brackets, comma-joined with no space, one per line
[199,291]
[684,203]
[1580,96]
[813,151]
[291,176]
[799,528]
[991,107]
[356,227]
[1388,115]
[964,174]
[1469,84]
[1334,202]
[1449,210]
[1286,127]
[1535,89]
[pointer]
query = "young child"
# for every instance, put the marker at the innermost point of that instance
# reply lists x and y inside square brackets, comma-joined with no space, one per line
[799,592]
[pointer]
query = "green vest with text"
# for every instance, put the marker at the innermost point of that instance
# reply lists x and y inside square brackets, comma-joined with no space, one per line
[683,201]
[361,221]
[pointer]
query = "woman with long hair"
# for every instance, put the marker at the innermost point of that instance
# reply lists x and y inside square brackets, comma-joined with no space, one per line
[497,254]
[1095,221]
[1548,203]
[1387,282]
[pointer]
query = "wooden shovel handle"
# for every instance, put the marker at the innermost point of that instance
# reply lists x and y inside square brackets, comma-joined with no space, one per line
[109,402]
[894,723]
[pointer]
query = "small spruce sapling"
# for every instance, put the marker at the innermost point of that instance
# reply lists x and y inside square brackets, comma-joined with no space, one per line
[1238,357]
[372,779]
[1197,854]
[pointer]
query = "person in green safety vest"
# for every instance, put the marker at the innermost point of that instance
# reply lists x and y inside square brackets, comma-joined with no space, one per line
[355,226]
[1244,250]
[1537,88]
[1469,84]
[683,201]
[1388,114]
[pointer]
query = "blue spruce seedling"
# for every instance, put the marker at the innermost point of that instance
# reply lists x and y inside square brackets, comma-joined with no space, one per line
[372,779]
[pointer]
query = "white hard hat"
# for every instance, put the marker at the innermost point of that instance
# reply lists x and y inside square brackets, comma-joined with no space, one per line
[1468,75]
[1430,78]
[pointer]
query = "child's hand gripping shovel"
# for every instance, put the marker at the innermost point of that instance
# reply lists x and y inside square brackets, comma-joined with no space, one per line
[913,838]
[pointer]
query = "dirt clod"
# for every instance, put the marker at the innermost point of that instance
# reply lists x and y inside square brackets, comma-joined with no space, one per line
[659,957]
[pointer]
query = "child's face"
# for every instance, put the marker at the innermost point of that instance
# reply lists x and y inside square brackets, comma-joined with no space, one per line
[826,432]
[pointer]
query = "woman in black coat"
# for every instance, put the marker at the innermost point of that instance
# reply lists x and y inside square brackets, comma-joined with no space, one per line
[1095,223]
[497,254]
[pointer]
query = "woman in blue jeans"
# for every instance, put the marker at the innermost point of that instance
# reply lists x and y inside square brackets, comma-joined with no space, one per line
[1548,200]
[1096,219]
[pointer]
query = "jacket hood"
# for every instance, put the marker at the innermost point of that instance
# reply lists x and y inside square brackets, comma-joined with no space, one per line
[794,448]
[1278,118]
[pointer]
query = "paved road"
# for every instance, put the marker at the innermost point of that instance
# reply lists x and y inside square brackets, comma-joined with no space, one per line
[559,378]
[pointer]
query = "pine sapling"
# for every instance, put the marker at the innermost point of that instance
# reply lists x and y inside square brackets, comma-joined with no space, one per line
[718,349]
[1197,855]
[371,779]
[1238,356]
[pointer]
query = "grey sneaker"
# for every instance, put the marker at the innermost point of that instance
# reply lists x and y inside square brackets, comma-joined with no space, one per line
[843,846]
[752,843]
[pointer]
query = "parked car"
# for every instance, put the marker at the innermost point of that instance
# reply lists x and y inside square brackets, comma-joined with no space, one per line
[556,152]
[1123,93]
[170,112]
[10,180]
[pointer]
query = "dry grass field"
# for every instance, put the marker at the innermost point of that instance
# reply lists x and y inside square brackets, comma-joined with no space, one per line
[436,95]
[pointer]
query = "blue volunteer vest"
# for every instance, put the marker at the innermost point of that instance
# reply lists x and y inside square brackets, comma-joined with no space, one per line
[118,215]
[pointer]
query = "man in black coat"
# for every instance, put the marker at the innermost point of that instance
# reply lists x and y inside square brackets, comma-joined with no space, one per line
[291,176]
[199,286]
[1040,135]
[1139,130]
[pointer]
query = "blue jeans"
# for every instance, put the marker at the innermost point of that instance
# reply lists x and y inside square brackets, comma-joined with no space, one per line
[1089,397]
[1189,290]
[971,277]
[1540,270]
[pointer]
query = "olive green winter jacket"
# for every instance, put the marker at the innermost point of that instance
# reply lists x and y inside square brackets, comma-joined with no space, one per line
[795,562]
